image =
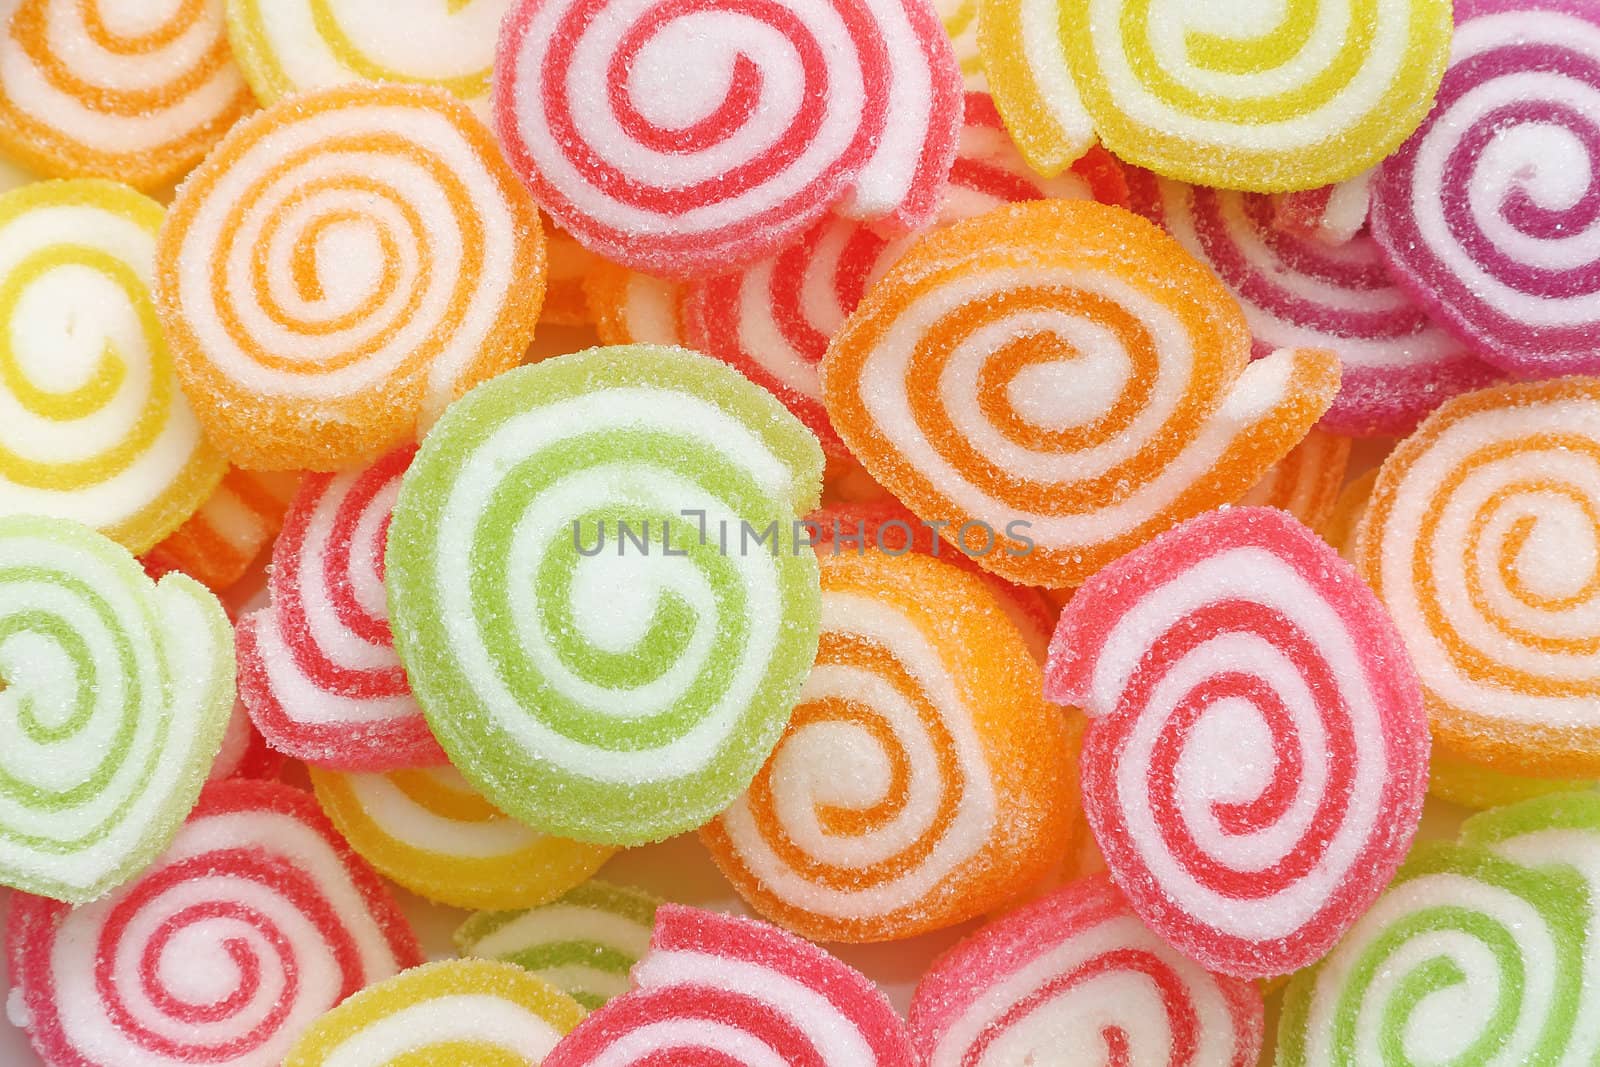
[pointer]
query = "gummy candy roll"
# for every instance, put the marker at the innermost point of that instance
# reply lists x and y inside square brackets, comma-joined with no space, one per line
[678,169]
[317,666]
[244,752]
[629,308]
[625,664]
[1333,214]
[427,830]
[1078,970]
[1257,749]
[92,424]
[922,780]
[217,544]
[1466,958]
[1481,539]
[341,268]
[253,923]
[114,695]
[1094,387]
[291,46]
[1238,96]
[1488,214]
[584,942]
[1341,528]
[454,1013]
[565,302]
[1473,785]
[725,990]
[960,18]
[1306,482]
[138,93]
[1301,292]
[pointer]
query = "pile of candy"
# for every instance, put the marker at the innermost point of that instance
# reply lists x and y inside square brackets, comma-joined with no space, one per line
[1073,475]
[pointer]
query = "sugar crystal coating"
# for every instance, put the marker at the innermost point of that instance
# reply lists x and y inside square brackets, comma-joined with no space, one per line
[1305,483]
[241,517]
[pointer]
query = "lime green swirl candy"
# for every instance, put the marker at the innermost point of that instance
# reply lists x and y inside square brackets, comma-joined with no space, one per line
[1466,959]
[583,943]
[114,695]
[598,591]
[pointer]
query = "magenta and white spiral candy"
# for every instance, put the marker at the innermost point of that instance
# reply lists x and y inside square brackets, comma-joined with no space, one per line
[684,137]
[1490,213]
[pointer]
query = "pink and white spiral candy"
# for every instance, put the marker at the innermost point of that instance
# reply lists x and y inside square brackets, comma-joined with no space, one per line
[254,922]
[725,127]
[1490,212]
[1332,214]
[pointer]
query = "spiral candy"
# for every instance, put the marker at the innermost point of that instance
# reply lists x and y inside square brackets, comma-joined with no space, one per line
[342,267]
[629,308]
[960,18]
[596,690]
[217,544]
[1333,214]
[1306,482]
[1482,539]
[114,694]
[1078,970]
[427,830]
[678,169]
[1257,750]
[1490,213]
[317,666]
[254,922]
[1472,785]
[719,989]
[92,425]
[1059,381]
[106,90]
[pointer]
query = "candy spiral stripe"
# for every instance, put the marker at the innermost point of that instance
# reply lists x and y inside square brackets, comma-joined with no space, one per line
[254,922]
[920,781]
[583,943]
[217,544]
[291,46]
[115,90]
[680,169]
[629,308]
[430,832]
[1078,970]
[1068,375]
[1306,482]
[244,752]
[1345,522]
[1482,538]
[92,425]
[1490,213]
[1459,927]
[1257,750]
[1025,66]
[1302,292]
[342,267]
[1472,785]
[724,990]
[317,666]
[114,694]
[598,693]
[1333,214]
[960,18]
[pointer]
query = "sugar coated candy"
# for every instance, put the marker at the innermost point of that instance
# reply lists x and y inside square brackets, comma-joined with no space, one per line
[253,923]
[1301,292]
[1094,387]
[1077,970]
[565,301]
[92,424]
[244,752]
[960,18]
[923,779]
[1490,213]
[1257,750]
[216,545]
[1306,482]
[715,989]
[1482,538]
[290,46]
[584,942]
[429,831]
[1472,785]
[629,308]
[342,267]
[681,168]
[1340,529]
[114,695]
[123,89]
[317,666]
[454,1013]
[597,592]
[1333,214]
[1466,958]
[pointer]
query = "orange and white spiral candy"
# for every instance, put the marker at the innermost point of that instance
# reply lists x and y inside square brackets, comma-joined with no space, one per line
[629,308]
[1482,538]
[1057,382]
[923,779]
[126,89]
[1306,482]
[344,265]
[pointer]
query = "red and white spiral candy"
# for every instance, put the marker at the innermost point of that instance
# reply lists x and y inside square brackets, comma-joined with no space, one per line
[725,128]
[1257,751]
[716,989]
[253,923]
[317,666]
[1332,214]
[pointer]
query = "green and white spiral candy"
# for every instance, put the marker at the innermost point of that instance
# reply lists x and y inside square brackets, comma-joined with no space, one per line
[601,689]
[114,695]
